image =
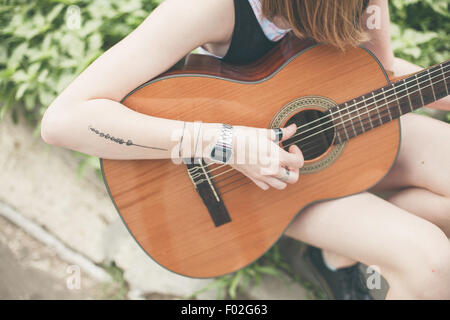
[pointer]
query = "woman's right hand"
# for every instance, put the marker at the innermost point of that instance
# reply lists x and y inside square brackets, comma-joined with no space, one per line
[258,155]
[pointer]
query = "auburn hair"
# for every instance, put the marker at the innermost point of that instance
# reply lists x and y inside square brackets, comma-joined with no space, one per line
[335,22]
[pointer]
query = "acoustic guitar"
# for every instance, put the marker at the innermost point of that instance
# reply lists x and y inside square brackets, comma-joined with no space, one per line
[203,220]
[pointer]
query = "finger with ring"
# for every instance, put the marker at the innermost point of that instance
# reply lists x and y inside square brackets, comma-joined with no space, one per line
[278,134]
[285,175]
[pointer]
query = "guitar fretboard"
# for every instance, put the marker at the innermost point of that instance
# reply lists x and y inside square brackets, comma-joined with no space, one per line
[383,105]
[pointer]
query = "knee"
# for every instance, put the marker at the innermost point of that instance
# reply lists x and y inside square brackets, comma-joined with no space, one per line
[426,271]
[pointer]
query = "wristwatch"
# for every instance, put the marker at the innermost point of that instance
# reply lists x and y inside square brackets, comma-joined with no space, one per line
[223,149]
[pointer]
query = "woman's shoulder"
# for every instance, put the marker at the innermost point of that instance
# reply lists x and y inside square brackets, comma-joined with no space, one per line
[216,18]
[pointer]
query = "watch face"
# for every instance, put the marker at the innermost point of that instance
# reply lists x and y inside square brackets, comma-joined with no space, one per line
[221,154]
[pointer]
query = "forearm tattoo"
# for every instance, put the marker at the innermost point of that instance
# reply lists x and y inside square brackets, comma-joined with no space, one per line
[119,140]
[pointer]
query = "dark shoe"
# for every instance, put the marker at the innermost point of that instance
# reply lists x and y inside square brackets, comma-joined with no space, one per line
[342,284]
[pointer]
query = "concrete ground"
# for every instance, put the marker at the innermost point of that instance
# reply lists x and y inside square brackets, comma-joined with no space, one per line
[29,270]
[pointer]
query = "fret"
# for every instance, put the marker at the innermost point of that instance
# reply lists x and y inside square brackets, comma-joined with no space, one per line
[368,111]
[439,86]
[420,91]
[359,116]
[343,123]
[407,94]
[351,121]
[405,106]
[443,76]
[398,103]
[391,103]
[376,120]
[427,95]
[339,123]
[380,106]
[352,110]
[387,104]
[431,84]
[415,93]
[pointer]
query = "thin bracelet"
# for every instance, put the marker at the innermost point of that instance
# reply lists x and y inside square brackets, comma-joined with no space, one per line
[181,141]
[196,142]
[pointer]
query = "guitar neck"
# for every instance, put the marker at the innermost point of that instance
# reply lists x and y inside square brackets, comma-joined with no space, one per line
[371,110]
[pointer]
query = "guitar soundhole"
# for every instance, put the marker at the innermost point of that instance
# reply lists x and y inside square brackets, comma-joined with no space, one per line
[315,133]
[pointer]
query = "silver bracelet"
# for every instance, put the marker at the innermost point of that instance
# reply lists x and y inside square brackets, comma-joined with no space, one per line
[223,148]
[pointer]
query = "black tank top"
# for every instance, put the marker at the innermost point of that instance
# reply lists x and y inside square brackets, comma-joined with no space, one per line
[249,42]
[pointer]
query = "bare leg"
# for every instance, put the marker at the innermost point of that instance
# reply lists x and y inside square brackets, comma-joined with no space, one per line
[425,204]
[412,253]
[422,170]
[424,179]
[420,173]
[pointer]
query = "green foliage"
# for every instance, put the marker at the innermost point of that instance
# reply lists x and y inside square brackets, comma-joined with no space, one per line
[43,49]
[118,288]
[421,30]
[272,263]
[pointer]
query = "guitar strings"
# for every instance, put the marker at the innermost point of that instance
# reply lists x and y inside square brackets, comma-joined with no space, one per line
[240,178]
[378,107]
[305,151]
[441,68]
[368,111]
[333,126]
[387,91]
[383,112]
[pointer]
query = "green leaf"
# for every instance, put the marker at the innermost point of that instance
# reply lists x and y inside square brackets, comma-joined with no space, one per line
[3,54]
[16,57]
[20,76]
[54,13]
[234,284]
[268,270]
[30,101]
[21,90]
[33,69]
[6,105]
[46,97]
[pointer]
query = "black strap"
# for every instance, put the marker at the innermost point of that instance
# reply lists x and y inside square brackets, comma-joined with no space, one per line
[249,41]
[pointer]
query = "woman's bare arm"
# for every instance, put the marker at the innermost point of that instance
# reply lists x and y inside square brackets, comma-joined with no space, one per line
[90,105]
[88,116]
[380,45]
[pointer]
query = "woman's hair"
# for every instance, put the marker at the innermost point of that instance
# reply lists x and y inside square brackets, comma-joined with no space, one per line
[336,22]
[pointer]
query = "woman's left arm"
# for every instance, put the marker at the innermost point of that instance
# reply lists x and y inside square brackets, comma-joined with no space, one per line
[376,22]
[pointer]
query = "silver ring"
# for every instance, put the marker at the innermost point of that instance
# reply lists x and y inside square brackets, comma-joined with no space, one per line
[278,134]
[286,175]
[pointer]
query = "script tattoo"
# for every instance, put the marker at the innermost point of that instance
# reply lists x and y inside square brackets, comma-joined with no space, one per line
[119,140]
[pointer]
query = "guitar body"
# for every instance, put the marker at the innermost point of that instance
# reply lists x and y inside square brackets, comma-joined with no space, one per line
[157,199]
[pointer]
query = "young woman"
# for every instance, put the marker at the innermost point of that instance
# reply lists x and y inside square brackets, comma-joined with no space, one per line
[406,236]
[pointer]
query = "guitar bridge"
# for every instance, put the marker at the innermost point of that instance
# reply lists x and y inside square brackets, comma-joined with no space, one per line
[204,184]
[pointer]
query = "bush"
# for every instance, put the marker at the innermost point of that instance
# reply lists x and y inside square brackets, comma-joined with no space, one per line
[420,30]
[44,46]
